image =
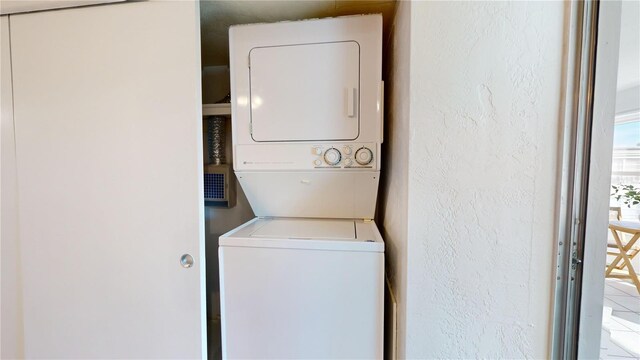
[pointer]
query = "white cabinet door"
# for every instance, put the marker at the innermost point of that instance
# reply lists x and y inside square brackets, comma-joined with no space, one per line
[11,315]
[108,141]
[307,92]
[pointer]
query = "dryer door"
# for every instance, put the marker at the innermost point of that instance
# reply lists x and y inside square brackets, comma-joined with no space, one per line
[307,92]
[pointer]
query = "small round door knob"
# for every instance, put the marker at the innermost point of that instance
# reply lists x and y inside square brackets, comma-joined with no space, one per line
[186,261]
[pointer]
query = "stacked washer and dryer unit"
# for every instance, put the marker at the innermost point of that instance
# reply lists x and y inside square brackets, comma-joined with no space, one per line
[305,279]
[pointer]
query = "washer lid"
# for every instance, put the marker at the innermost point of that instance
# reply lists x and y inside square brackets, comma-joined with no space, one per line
[307,229]
[311,234]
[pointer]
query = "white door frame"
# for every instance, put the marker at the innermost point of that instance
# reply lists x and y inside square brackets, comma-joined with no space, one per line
[591,76]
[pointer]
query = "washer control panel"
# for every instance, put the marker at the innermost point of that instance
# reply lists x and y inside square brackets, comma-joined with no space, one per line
[343,156]
[310,156]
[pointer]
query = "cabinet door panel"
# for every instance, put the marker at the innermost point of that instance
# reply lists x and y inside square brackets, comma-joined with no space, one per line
[11,344]
[108,139]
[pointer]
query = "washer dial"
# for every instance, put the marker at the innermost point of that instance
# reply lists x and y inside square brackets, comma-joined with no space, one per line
[364,156]
[332,156]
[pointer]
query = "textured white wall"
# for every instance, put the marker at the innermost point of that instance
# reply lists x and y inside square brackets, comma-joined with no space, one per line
[483,139]
[394,187]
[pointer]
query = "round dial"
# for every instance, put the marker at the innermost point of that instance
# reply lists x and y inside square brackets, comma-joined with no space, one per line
[364,156]
[332,156]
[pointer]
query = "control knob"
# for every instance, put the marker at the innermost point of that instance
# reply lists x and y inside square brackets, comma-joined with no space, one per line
[364,156]
[332,156]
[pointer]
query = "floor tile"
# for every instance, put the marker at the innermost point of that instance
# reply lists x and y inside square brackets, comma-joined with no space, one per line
[622,285]
[616,350]
[617,324]
[605,343]
[621,321]
[630,302]
[611,290]
[627,315]
[629,341]
[630,325]
[614,305]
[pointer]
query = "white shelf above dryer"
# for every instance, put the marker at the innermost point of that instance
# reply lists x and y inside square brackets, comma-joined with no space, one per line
[216,109]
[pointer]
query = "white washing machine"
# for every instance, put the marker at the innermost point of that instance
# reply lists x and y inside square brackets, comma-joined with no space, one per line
[305,279]
[302,288]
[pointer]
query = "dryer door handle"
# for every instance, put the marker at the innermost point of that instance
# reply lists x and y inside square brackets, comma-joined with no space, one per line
[352,102]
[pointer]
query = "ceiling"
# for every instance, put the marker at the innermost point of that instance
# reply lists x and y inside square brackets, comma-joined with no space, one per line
[216,17]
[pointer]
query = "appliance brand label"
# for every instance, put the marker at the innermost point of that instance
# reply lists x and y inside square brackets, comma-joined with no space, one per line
[268,162]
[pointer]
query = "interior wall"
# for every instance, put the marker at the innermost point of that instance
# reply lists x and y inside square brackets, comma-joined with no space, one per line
[628,100]
[483,147]
[628,84]
[215,86]
[392,208]
[215,83]
[217,222]
[628,70]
